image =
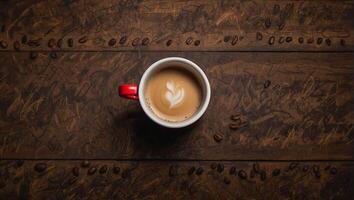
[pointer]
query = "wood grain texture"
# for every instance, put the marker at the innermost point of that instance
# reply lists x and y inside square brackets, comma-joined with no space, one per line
[175,180]
[293,106]
[178,25]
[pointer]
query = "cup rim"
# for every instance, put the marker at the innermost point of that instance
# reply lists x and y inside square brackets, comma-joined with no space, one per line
[160,121]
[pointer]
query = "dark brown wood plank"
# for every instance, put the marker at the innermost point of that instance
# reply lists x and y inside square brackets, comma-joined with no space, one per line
[179,25]
[175,180]
[294,106]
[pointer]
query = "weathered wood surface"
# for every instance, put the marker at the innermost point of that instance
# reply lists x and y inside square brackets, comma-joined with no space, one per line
[178,25]
[65,105]
[175,180]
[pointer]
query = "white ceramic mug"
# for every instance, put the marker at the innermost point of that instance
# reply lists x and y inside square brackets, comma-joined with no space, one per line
[135,92]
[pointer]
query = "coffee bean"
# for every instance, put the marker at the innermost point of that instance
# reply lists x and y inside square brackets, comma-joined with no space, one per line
[227,38]
[145,41]
[116,170]
[233,126]
[316,169]
[34,43]
[267,23]
[136,41]
[60,43]
[51,43]
[310,40]
[220,168]
[327,167]
[191,170]
[40,167]
[242,174]
[281,40]
[319,40]
[83,39]
[53,55]
[236,117]
[266,84]
[169,42]
[3,44]
[333,170]
[218,137]
[197,43]
[227,181]
[263,175]
[123,39]
[301,40]
[256,168]
[91,170]
[112,42]
[213,165]
[232,170]
[70,42]
[189,40]
[173,171]
[328,42]
[293,165]
[33,55]
[342,42]
[76,171]
[103,169]
[288,39]
[126,173]
[19,163]
[276,9]
[199,171]
[252,173]
[281,26]
[271,40]
[17,45]
[24,39]
[234,40]
[85,164]
[276,172]
[259,36]
[305,168]
[318,175]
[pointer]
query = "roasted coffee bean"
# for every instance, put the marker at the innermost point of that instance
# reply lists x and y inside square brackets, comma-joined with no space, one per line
[145,41]
[227,38]
[70,42]
[259,36]
[266,84]
[281,40]
[3,44]
[116,170]
[310,40]
[213,165]
[328,42]
[220,168]
[40,167]
[316,169]
[281,26]
[232,170]
[288,39]
[83,39]
[234,40]
[189,40]
[276,9]
[191,170]
[227,181]
[173,171]
[342,42]
[53,55]
[76,171]
[233,126]
[333,170]
[318,175]
[34,43]
[135,42]
[319,40]
[17,45]
[276,172]
[236,117]
[301,40]
[197,43]
[33,55]
[51,43]
[19,163]
[256,168]
[305,168]
[218,137]
[267,23]
[60,43]
[242,174]
[24,39]
[327,167]
[169,42]
[103,169]
[293,165]
[85,163]
[126,173]
[199,171]
[91,170]
[112,42]
[271,40]
[122,40]
[263,175]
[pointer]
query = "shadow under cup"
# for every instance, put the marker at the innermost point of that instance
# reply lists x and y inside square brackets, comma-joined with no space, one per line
[184,64]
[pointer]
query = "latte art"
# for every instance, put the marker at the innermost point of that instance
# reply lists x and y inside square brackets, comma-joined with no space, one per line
[174,94]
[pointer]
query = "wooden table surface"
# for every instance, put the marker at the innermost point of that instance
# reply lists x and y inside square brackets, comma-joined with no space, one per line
[280,124]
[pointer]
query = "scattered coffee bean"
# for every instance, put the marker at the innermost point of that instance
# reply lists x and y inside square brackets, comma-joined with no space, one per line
[281,26]
[342,42]
[256,168]
[316,169]
[288,39]
[197,43]
[220,168]
[232,170]
[199,171]
[91,170]
[227,181]
[263,175]
[281,40]
[17,45]
[271,40]
[328,42]
[19,163]
[169,42]
[40,167]
[116,170]
[122,40]
[234,40]
[189,40]
[136,41]
[33,55]
[327,167]
[191,170]
[83,39]
[276,9]
[276,172]
[3,44]
[319,40]
[70,42]
[51,43]
[76,171]
[305,168]
[53,55]
[293,165]
[259,36]
[112,42]
[173,171]
[301,40]
[103,169]
[267,23]
[233,126]
[242,174]
[310,40]
[85,164]
[227,38]
[145,41]
[333,170]
[252,173]
[60,43]
[126,173]
[24,39]
[34,43]
[218,137]
[213,165]
[266,84]
[236,117]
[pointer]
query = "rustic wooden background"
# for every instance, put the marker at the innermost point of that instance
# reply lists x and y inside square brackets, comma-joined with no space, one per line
[280,124]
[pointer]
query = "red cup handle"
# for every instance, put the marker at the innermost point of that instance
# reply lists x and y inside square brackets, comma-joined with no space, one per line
[129,91]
